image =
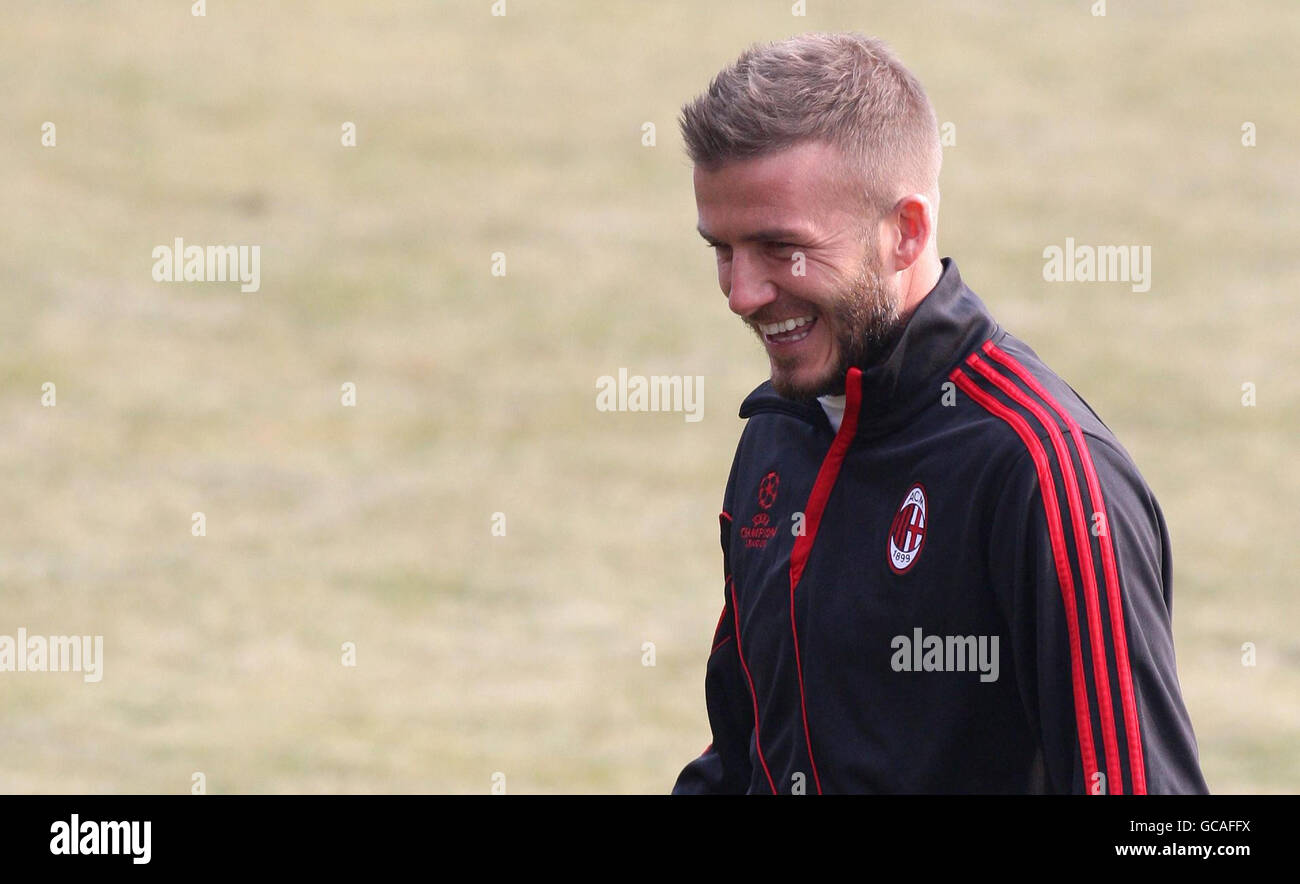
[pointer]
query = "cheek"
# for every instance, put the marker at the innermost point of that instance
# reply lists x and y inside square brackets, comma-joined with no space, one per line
[818,278]
[816,289]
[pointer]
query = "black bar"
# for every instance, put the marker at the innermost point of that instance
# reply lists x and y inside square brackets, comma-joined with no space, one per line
[334,833]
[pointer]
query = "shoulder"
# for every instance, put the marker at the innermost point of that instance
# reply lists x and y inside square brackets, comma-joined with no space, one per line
[1022,405]
[1034,428]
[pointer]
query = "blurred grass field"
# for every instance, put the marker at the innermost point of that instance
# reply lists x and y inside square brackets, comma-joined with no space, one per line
[475,394]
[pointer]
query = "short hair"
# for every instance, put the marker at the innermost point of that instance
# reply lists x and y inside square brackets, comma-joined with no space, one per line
[847,89]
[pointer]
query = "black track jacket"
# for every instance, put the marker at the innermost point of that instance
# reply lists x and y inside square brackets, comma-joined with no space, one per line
[968,588]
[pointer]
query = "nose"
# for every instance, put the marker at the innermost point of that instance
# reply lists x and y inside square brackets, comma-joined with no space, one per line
[747,285]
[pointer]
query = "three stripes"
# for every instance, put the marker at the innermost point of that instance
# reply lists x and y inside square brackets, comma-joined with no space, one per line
[1000,370]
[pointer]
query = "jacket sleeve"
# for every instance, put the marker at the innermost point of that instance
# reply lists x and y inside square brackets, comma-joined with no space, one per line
[724,766]
[1087,594]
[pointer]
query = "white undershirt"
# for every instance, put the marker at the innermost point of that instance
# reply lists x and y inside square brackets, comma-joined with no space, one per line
[834,408]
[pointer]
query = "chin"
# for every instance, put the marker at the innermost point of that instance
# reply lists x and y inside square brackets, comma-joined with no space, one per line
[795,385]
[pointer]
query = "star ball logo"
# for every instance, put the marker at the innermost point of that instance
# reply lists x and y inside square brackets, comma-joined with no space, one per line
[760,528]
[907,532]
[767,490]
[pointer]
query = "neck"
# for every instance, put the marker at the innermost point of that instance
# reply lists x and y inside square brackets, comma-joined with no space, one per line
[918,281]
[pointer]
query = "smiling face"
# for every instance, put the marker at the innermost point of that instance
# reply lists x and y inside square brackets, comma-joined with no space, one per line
[798,263]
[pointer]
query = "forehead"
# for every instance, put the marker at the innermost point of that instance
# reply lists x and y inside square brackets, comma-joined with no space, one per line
[801,186]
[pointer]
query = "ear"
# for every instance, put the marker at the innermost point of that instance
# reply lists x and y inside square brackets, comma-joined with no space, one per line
[913,220]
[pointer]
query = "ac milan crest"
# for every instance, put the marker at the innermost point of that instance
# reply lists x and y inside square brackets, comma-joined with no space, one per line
[907,532]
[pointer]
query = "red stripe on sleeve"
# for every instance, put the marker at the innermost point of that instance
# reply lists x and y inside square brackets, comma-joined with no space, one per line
[1082,718]
[1132,731]
[1088,576]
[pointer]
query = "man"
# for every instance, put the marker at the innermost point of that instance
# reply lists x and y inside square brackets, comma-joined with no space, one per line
[942,572]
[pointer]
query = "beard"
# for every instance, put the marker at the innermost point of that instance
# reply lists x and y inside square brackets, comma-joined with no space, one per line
[866,323]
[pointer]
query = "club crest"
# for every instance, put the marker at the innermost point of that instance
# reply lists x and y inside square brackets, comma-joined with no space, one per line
[907,532]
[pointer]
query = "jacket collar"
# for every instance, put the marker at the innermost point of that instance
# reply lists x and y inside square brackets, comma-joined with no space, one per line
[947,324]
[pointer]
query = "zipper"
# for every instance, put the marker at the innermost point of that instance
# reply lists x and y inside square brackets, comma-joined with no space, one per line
[816,506]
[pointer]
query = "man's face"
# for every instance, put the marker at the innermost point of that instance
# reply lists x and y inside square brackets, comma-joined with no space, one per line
[818,315]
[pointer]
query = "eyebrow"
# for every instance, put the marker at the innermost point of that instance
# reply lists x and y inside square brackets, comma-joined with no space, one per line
[775,234]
